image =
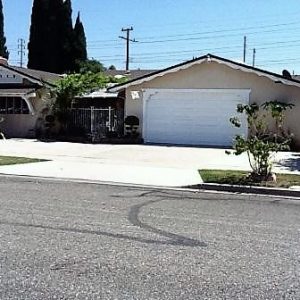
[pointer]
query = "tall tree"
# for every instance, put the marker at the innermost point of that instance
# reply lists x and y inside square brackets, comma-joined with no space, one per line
[39,40]
[66,38]
[79,50]
[3,48]
[54,45]
[51,35]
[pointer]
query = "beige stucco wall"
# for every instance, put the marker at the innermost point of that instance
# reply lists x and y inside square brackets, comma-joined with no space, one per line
[26,125]
[219,76]
[18,125]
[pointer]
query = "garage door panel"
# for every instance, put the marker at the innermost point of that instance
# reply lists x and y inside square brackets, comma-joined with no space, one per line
[195,117]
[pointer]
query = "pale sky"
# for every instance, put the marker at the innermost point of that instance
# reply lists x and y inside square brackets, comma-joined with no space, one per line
[172,31]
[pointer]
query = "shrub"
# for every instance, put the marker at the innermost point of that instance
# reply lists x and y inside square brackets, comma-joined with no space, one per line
[262,142]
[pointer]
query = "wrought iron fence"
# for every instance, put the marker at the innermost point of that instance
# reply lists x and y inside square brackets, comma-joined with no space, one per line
[97,123]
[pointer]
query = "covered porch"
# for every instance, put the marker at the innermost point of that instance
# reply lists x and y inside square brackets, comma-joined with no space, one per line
[97,117]
[17,112]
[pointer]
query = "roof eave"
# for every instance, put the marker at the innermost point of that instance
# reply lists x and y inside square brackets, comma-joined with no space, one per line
[38,81]
[207,58]
[245,68]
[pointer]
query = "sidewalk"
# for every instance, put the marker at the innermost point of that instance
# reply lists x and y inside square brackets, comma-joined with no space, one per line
[92,171]
[171,166]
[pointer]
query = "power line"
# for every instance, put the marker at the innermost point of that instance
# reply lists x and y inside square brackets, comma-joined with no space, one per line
[223,30]
[213,37]
[278,44]
[205,32]
[234,19]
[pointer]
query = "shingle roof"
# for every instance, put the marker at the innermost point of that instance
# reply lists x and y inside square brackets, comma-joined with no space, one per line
[297,77]
[42,76]
[51,78]
[132,74]
[208,57]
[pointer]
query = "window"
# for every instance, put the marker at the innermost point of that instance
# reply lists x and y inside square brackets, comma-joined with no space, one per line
[13,105]
[2,105]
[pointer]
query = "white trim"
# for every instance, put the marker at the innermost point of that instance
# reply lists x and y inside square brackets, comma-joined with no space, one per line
[13,94]
[205,60]
[24,97]
[30,107]
[19,73]
[152,91]
[101,93]
[261,74]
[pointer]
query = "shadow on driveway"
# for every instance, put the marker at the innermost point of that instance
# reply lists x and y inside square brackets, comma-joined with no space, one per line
[292,163]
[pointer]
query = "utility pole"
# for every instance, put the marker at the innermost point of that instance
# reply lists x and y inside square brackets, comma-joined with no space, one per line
[21,50]
[128,40]
[254,54]
[245,46]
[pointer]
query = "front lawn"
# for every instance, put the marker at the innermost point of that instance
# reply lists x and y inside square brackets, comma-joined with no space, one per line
[242,178]
[12,160]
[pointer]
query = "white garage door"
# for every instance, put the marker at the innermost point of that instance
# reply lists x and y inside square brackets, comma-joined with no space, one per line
[195,117]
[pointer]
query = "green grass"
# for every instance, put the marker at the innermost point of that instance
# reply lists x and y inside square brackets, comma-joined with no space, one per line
[242,178]
[12,160]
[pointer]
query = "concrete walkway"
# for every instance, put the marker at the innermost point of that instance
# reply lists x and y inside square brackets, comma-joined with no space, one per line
[135,164]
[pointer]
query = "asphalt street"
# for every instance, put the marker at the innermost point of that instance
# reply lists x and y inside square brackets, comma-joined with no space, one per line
[63,240]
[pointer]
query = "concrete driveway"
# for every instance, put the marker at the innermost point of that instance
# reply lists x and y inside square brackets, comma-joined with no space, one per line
[135,164]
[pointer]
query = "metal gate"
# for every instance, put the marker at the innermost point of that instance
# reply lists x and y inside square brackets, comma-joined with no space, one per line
[96,123]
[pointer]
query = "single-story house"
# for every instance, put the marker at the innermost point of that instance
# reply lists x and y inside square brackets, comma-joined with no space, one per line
[24,99]
[101,98]
[192,102]
[101,114]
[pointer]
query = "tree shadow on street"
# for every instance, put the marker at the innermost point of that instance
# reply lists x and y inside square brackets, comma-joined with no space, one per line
[174,239]
[133,216]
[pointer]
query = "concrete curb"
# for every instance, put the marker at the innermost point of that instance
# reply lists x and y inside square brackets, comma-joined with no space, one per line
[203,187]
[247,189]
[98,182]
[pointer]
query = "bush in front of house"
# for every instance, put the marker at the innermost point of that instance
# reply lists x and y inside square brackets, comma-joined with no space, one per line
[262,142]
[132,125]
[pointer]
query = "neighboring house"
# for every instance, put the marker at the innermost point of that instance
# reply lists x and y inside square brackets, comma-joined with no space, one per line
[101,98]
[24,96]
[297,77]
[99,113]
[191,103]
[130,75]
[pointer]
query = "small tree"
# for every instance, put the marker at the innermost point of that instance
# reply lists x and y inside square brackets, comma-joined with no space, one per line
[74,85]
[278,114]
[90,65]
[112,68]
[262,142]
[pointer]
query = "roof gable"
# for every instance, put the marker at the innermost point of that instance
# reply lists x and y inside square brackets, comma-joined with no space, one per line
[207,59]
[9,77]
[43,76]
[12,74]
